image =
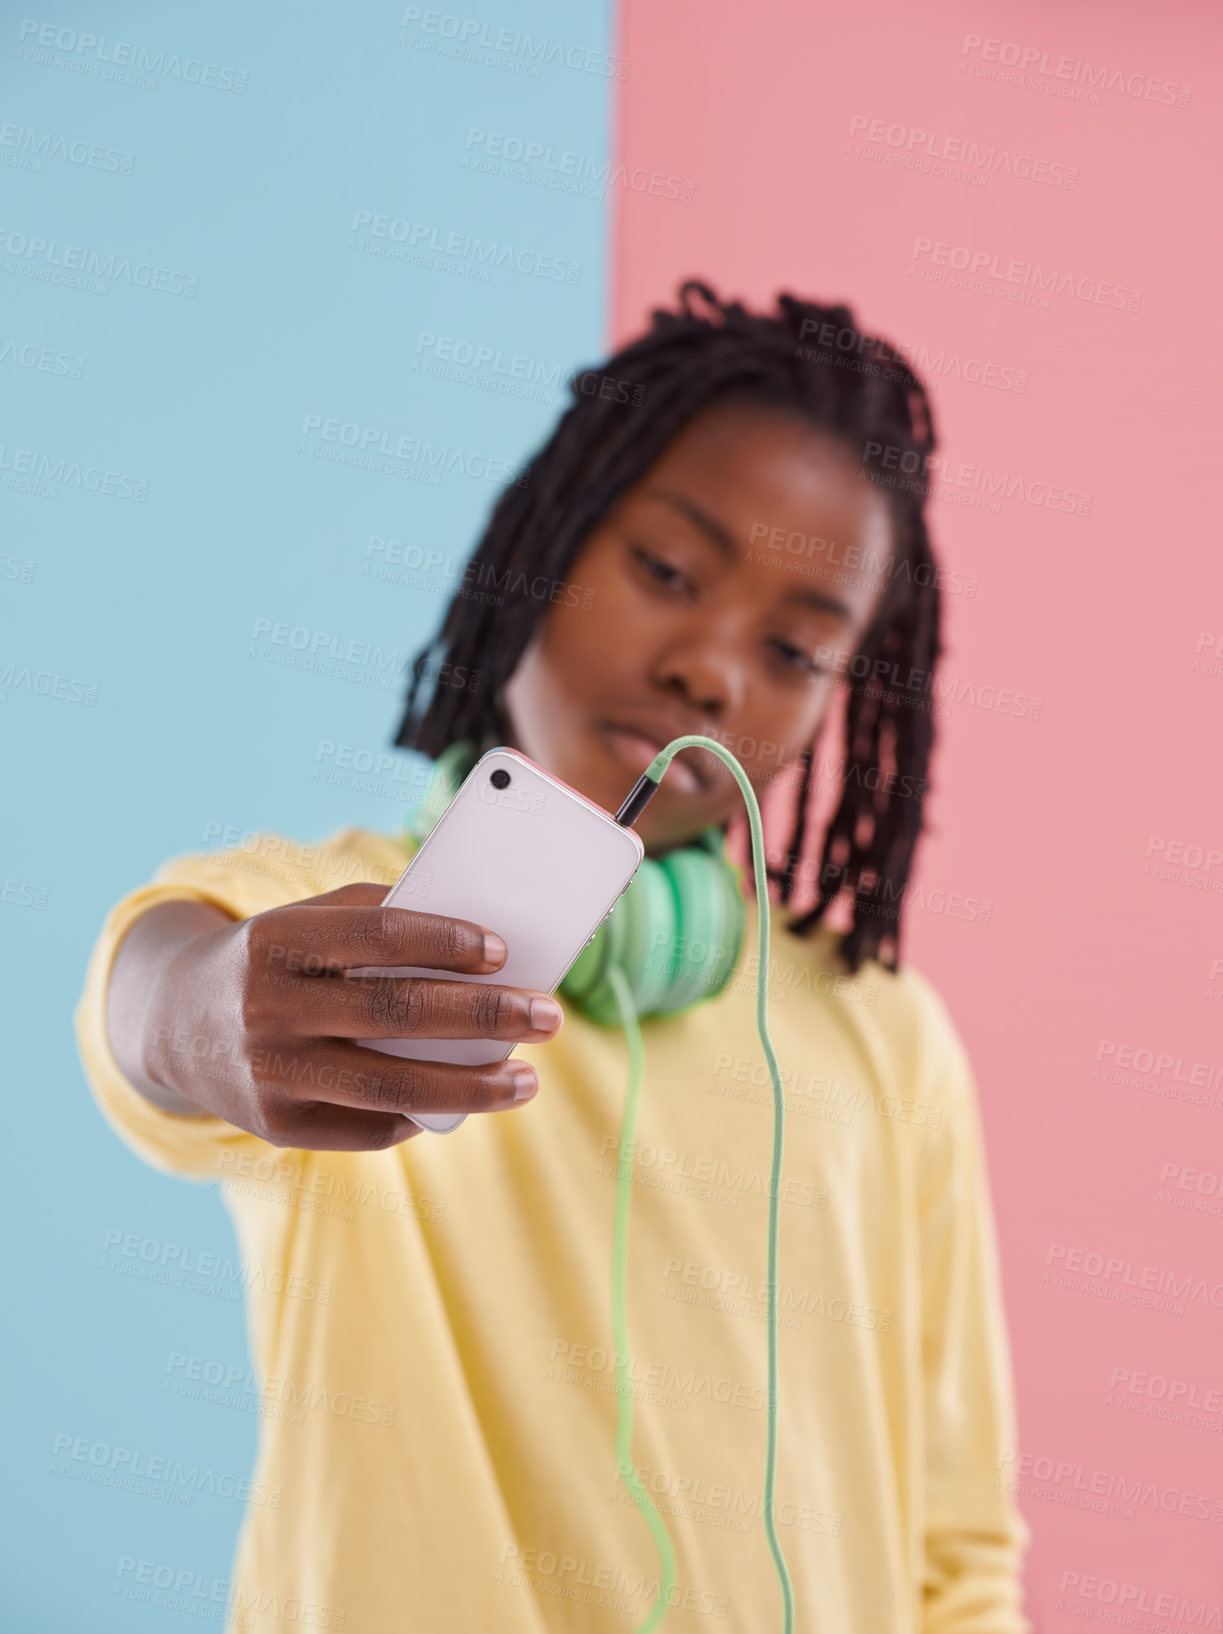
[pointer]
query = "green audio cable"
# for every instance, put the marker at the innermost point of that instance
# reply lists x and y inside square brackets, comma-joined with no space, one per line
[632,808]
[624,1388]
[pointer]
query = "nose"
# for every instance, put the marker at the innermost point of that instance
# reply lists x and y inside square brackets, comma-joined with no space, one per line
[704,671]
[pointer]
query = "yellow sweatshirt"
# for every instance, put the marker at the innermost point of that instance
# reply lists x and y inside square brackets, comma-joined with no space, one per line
[431,1325]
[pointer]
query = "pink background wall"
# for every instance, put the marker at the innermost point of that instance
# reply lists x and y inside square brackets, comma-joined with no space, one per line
[1113,620]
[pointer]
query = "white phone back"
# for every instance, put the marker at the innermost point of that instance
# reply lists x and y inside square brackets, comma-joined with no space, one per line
[537,863]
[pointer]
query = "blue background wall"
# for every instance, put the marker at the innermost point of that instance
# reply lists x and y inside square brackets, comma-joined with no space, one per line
[173,496]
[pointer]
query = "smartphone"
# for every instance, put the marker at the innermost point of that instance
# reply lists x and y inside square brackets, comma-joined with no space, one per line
[522,853]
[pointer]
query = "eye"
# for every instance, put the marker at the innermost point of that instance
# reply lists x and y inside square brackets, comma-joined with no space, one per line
[658,569]
[795,658]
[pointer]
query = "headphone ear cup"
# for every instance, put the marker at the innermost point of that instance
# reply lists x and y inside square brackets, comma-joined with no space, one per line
[654,924]
[640,937]
[675,933]
[709,917]
[586,971]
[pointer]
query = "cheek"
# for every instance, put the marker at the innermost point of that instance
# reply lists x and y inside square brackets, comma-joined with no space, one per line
[592,629]
[569,650]
[769,738]
[795,717]
[572,640]
[603,586]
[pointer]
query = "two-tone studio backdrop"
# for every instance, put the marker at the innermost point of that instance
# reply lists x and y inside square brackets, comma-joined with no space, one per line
[288,295]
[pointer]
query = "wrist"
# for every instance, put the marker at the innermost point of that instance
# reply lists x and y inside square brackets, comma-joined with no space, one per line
[143,1019]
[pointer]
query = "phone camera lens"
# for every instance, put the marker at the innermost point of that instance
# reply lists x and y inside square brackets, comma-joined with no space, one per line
[499,779]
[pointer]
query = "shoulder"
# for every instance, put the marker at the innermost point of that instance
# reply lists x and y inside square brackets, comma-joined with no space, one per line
[912,1007]
[250,872]
[899,1019]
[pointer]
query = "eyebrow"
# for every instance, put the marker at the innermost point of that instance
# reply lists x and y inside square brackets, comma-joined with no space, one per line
[722,537]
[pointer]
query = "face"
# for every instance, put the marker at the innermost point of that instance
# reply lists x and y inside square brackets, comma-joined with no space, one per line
[695,622]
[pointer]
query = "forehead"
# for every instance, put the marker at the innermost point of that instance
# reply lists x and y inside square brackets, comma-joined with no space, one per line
[785,490]
[765,464]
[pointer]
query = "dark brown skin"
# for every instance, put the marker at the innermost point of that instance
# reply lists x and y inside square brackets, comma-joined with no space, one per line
[682,638]
[212,1015]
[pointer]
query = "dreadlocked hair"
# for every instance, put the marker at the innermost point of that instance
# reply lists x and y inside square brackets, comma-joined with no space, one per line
[813,361]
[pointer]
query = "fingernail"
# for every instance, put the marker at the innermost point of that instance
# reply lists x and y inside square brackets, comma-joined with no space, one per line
[546,1015]
[525,1083]
[494,948]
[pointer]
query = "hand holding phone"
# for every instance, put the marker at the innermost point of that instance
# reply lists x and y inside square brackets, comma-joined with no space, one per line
[534,860]
[258,1020]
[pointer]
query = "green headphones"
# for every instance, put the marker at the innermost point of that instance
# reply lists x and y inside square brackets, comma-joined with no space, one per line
[676,932]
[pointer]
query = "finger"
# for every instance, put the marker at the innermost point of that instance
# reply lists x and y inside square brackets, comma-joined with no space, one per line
[318,939]
[345,1075]
[317,1126]
[420,1007]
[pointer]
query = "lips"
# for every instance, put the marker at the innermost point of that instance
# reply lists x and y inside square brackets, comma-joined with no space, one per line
[637,743]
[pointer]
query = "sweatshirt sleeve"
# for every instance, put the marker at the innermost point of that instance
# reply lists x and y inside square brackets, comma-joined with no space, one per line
[975,1537]
[268,872]
[188,1146]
